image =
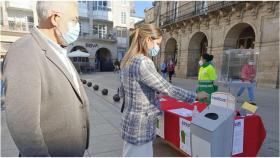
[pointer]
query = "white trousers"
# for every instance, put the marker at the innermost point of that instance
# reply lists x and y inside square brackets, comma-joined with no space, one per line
[145,150]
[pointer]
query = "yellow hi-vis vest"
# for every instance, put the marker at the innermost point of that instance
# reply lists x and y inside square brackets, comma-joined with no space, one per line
[207,73]
[206,76]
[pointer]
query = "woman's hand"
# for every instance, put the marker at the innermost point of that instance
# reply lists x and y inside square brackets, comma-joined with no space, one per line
[202,95]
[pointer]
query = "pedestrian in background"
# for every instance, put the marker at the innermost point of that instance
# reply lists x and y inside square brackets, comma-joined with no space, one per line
[46,104]
[206,76]
[171,70]
[117,66]
[248,74]
[163,68]
[140,81]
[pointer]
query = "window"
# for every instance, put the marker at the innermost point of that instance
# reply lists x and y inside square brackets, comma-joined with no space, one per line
[105,3]
[95,30]
[201,6]
[18,23]
[168,11]
[94,5]
[123,18]
[124,33]
[101,5]
[30,21]
[175,8]
[119,33]
[12,25]
[102,31]
[167,6]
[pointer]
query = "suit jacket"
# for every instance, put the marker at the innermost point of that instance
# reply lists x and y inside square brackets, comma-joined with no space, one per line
[45,114]
[139,82]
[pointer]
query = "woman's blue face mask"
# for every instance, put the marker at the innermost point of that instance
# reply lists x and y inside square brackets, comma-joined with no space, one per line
[154,51]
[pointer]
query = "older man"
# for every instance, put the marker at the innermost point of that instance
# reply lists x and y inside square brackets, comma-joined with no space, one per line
[46,105]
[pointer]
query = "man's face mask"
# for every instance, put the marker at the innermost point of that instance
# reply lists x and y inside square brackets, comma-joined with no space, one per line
[251,63]
[71,35]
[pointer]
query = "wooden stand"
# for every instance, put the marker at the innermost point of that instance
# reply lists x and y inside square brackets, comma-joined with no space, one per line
[174,147]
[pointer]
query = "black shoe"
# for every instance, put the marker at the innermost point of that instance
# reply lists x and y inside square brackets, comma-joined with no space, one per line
[253,103]
[237,113]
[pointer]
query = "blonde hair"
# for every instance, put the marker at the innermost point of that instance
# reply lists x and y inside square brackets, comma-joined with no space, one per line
[138,44]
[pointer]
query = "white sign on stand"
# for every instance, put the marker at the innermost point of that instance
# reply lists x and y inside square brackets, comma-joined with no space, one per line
[185,135]
[160,125]
[182,112]
[238,137]
[225,100]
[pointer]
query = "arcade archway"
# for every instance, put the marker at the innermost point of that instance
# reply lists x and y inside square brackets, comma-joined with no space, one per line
[104,60]
[198,45]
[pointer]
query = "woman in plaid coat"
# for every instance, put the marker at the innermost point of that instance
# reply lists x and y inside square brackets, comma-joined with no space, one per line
[139,82]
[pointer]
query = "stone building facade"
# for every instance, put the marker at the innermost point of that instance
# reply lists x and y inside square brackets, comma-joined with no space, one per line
[194,27]
[17,18]
[104,32]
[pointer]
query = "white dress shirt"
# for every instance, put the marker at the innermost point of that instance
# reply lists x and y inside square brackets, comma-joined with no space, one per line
[62,55]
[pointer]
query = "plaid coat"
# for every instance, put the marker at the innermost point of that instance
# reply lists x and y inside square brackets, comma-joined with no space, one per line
[139,82]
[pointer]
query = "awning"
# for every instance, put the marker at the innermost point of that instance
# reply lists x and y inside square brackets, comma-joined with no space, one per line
[78,53]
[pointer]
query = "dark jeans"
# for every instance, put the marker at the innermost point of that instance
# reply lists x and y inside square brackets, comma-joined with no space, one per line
[170,75]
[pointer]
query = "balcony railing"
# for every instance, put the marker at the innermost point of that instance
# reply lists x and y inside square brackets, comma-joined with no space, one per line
[106,36]
[17,26]
[110,37]
[101,8]
[192,9]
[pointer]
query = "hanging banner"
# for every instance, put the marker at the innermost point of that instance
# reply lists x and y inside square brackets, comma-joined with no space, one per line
[238,137]
[185,135]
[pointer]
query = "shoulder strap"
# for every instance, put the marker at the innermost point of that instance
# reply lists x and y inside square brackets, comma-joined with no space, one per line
[122,108]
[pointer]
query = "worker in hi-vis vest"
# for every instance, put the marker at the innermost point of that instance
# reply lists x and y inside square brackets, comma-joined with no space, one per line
[206,76]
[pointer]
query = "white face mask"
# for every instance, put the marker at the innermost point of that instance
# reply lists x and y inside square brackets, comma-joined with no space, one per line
[200,62]
[72,34]
[251,63]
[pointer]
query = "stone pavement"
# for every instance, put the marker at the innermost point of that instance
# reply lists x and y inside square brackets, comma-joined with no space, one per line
[267,101]
[105,120]
[105,140]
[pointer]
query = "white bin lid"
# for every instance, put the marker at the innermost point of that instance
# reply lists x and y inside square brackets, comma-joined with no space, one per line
[209,124]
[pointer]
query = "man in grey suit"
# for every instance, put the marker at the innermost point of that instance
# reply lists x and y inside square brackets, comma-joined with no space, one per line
[46,104]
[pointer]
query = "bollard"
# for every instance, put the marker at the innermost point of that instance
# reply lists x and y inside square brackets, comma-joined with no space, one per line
[96,87]
[105,91]
[84,81]
[89,84]
[116,98]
